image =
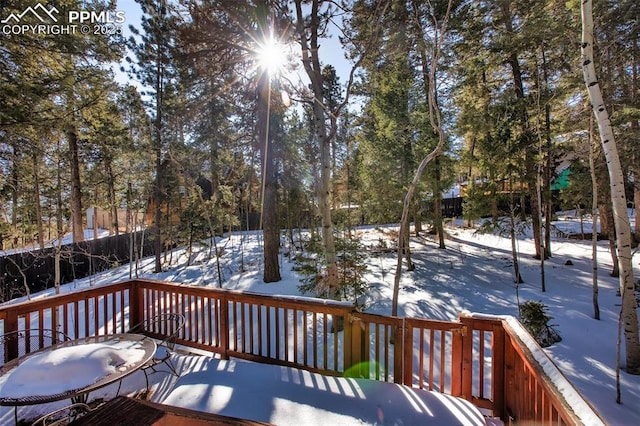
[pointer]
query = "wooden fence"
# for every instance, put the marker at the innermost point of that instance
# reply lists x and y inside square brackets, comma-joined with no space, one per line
[33,268]
[483,360]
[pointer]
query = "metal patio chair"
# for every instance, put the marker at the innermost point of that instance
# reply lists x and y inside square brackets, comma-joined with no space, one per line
[22,342]
[18,343]
[64,415]
[166,327]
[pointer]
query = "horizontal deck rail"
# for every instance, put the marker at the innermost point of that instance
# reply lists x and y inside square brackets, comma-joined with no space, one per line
[481,359]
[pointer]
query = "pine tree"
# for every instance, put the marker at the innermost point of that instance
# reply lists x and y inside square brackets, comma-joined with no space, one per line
[153,47]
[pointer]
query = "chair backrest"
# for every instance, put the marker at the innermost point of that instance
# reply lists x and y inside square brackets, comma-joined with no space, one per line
[165,327]
[64,415]
[18,343]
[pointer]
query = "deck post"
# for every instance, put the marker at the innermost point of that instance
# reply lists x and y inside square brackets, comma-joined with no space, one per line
[135,303]
[456,362]
[356,345]
[498,371]
[398,344]
[223,319]
[11,324]
[407,356]
[467,357]
[347,355]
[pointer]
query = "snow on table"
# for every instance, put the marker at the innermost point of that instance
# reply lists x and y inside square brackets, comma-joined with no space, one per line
[69,368]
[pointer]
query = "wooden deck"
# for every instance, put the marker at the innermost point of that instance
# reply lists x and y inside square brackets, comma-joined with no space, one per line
[129,411]
[482,360]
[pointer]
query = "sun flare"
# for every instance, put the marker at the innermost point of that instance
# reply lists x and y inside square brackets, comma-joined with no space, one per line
[271,56]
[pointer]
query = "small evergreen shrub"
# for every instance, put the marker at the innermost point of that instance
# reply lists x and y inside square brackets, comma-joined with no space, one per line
[533,316]
[351,262]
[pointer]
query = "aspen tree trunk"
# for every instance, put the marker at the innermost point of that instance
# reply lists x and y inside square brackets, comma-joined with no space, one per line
[310,30]
[636,195]
[635,126]
[310,45]
[629,315]
[594,225]
[607,226]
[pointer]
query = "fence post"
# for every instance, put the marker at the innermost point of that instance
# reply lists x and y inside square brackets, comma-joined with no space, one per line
[224,322]
[398,343]
[11,324]
[134,304]
[467,355]
[354,346]
[407,358]
[498,373]
[347,340]
[456,361]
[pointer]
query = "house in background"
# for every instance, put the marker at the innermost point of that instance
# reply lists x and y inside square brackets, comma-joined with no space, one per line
[99,218]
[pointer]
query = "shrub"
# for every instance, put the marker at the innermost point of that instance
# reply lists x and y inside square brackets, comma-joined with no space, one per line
[351,262]
[533,316]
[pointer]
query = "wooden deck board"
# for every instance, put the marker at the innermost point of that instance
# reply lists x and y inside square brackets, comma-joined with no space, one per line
[128,411]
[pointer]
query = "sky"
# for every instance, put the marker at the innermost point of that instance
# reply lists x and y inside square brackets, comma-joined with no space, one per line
[133,15]
[330,52]
[474,274]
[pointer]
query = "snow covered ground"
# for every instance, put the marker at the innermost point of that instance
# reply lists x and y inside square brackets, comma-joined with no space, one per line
[67,239]
[474,273]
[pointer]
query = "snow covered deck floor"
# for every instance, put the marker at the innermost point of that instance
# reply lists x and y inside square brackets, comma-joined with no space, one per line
[290,396]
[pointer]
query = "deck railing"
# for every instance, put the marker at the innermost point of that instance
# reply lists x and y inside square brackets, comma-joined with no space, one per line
[484,360]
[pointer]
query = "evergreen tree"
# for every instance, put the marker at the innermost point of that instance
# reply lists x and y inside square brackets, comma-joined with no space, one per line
[154,50]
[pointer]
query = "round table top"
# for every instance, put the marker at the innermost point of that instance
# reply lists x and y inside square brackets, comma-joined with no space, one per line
[73,368]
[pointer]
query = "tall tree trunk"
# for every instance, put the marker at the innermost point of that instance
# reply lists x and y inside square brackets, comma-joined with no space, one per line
[435,119]
[113,206]
[311,62]
[594,224]
[608,226]
[428,75]
[437,205]
[59,229]
[539,213]
[548,163]
[525,137]
[77,227]
[95,221]
[517,277]
[636,195]
[417,218]
[629,314]
[635,126]
[15,191]
[309,30]
[158,184]
[325,208]
[542,168]
[270,229]
[36,190]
